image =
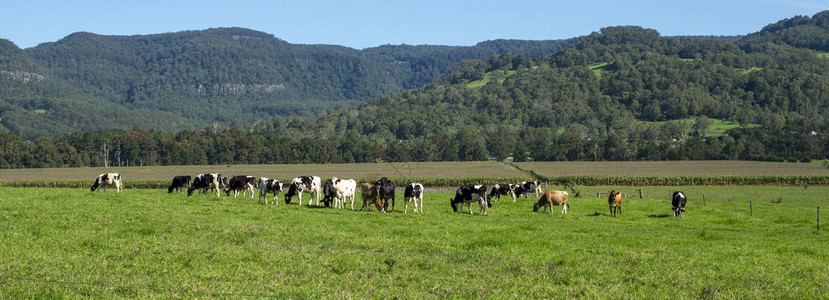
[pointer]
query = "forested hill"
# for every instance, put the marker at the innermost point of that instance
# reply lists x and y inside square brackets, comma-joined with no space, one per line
[622,93]
[619,94]
[217,75]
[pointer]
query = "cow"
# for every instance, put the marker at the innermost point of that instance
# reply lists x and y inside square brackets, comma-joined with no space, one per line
[678,202]
[329,192]
[304,184]
[368,191]
[530,187]
[345,189]
[469,193]
[243,183]
[178,184]
[206,181]
[413,192]
[614,199]
[503,189]
[552,198]
[269,185]
[386,190]
[108,179]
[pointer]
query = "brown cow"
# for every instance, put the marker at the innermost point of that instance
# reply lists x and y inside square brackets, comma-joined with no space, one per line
[552,198]
[370,196]
[615,201]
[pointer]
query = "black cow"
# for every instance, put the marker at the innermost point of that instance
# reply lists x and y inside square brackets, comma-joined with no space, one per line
[503,189]
[329,192]
[469,193]
[206,181]
[678,202]
[178,184]
[242,183]
[386,191]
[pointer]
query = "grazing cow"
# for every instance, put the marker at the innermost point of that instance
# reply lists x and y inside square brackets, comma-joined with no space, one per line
[468,194]
[108,179]
[552,198]
[346,189]
[370,197]
[243,183]
[178,184]
[678,203]
[530,187]
[414,192]
[206,181]
[386,191]
[503,189]
[269,185]
[329,192]
[614,199]
[304,184]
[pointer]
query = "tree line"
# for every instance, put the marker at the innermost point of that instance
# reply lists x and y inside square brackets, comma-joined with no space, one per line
[139,147]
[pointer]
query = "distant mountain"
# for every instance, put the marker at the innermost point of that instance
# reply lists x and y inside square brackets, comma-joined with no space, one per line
[218,75]
[34,102]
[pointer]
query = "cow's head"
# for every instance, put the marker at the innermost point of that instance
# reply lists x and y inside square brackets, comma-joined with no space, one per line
[292,191]
[454,205]
[612,195]
[536,207]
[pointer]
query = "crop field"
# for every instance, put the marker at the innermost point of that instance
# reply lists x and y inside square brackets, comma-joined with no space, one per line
[70,243]
[674,168]
[356,171]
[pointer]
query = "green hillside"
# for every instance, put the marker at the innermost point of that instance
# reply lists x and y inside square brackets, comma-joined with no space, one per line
[622,93]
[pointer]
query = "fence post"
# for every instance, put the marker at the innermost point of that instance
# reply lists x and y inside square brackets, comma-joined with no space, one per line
[703,200]
[640,193]
[750,210]
[818,220]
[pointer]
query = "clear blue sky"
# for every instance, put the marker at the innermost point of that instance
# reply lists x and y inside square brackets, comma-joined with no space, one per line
[368,23]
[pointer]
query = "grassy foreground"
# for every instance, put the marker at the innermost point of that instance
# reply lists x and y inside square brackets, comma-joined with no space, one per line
[147,243]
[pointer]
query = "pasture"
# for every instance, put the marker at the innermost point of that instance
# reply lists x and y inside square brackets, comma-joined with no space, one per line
[147,243]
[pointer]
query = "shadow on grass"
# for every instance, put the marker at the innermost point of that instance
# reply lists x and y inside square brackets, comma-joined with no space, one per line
[659,216]
[595,214]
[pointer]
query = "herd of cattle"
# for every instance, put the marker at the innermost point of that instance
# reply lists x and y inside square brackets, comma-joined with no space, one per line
[374,194]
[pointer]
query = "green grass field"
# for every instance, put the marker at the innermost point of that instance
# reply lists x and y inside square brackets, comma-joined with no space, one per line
[70,243]
[717,127]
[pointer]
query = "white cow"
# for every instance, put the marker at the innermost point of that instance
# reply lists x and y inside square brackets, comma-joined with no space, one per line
[345,189]
[108,179]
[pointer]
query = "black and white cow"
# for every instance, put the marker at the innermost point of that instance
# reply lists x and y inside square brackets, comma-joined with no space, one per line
[531,187]
[267,185]
[108,179]
[678,202]
[206,181]
[329,192]
[179,183]
[503,189]
[304,184]
[386,190]
[468,194]
[243,183]
[413,192]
